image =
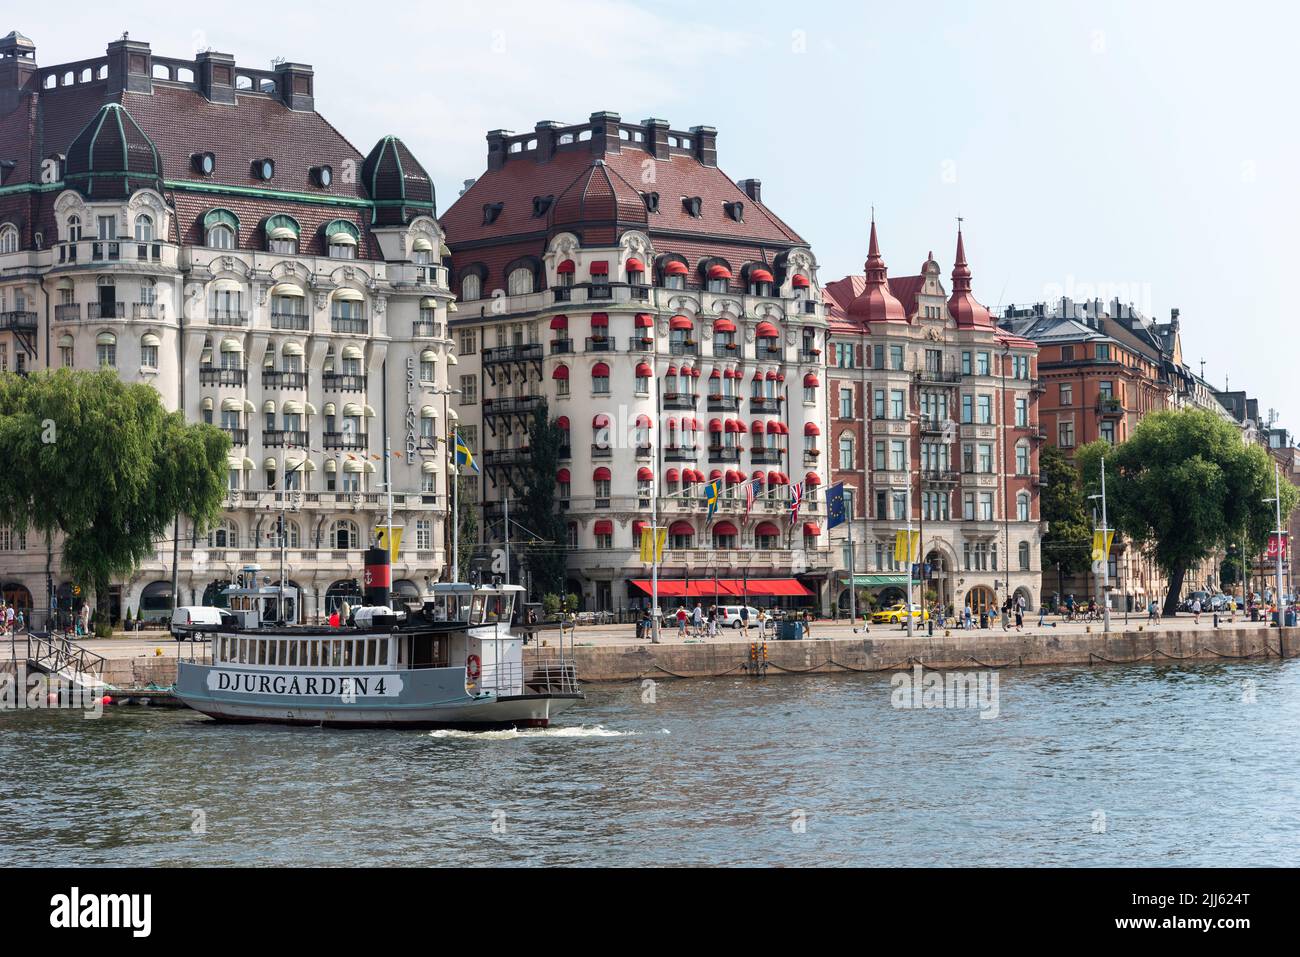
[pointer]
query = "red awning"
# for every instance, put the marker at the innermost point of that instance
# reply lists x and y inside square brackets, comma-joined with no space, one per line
[767,529]
[559,322]
[643,370]
[562,423]
[724,325]
[600,421]
[800,282]
[740,426]
[604,527]
[732,425]
[760,476]
[635,265]
[673,475]
[643,474]
[565,267]
[675,268]
[715,475]
[719,271]
[810,380]
[811,428]
[732,477]
[637,526]
[680,322]
[811,528]
[643,421]
[715,425]
[600,475]
[730,587]
[561,372]
[724,528]
[562,476]
[644,320]
[600,267]
[760,275]
[599,319]
[812,479]
[695,372]
[681,528]
[672,370]
[771,376]
[600,371]
[766,330]
[777,428]
[777,587]
[715,374]
[758,427]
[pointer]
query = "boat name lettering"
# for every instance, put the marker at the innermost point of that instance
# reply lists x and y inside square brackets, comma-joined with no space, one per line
[332,686]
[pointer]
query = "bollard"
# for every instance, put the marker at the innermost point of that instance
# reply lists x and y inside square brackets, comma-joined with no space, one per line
[930,627]
[1216,619]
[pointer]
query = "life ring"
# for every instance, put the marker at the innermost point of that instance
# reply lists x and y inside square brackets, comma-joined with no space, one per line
[473,667]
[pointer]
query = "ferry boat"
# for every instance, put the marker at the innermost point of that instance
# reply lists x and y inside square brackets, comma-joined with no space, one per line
[452,662]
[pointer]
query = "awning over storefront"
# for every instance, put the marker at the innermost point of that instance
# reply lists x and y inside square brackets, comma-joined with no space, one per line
[729,587]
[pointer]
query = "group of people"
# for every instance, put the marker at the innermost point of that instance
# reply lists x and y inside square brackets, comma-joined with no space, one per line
[12,621]
[702,623]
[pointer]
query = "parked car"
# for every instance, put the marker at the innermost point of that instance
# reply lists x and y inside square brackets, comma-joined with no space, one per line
[897,613]
[1202,596]
[192,621]
[729,616]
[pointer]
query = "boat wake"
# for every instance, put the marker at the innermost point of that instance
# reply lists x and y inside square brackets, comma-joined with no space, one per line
[578,731]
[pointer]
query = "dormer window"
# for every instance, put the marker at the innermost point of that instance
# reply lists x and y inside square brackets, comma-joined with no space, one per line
[205,164]
[263,169]
[144,228]
[675,275]
[341,239]
[735,211]
[220,229]
[422,251]
[471,288]
[8,239]
[282,235]
[651,202]
[541,204]
[322,176]
[74,229]
[693,205]
[491,211]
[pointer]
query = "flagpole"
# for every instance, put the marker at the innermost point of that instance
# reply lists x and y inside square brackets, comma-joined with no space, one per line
[654,524]
[853,573]
[455,510]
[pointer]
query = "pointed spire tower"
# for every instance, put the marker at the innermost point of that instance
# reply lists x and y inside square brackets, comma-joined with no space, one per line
[965,310]
[876,303]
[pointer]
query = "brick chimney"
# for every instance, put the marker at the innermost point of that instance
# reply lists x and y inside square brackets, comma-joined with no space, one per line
[295,81]
[17,69]
[130,66]
[216,76]
[497,148]
[545,131]
[656,137]
[753,189]
[705,140]
[604,133]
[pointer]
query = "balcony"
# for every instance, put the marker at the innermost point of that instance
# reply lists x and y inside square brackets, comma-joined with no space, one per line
[680,401]
[723,403]
[723,453]
[493,457]
[933,425]
[640,293]
[600,291]
[683,349]
[811,457]
[146,310]
[562,294]
[345,440]
[294,321]
[726,350]
[769,353]
[352,324]
[948,376]
[809,307]
[511,405]
[600,344]
[283,380]
[688,453]
[344,382]
[227,317]
[939,476]
[765,456]
[1110,406]
[765,403]
[425,327]
[211,376]
[68,312]
[810,355]
[105,310]
[18,321]
[237,436]
[561,346]
[642,344]
[644,451]
[518,353]
[1037,386]
[601,452]
[287,438]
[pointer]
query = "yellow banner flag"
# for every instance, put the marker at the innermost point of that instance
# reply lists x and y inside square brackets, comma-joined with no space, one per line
[395,545]
[653,539]
[901,551]
[1101,549]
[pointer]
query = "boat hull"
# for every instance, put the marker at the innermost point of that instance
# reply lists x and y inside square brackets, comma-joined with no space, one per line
[428,698]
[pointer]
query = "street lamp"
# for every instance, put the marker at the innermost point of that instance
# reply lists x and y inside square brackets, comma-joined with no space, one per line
[1105,553]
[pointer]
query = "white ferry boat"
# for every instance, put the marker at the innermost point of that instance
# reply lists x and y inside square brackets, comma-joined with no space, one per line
[452,663]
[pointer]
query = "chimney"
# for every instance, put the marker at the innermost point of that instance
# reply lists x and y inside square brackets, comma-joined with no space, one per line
[545,131]
[17,69]
[1173,319]
[656,137]
[216,76]
[295,83]
[705,139]
[604,133]
[130,66]
[753,189]
[497,148]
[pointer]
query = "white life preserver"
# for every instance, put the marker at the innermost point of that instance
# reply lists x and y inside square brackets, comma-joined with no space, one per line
[473,667]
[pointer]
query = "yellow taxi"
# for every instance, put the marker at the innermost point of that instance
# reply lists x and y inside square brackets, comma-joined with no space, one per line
[897,613]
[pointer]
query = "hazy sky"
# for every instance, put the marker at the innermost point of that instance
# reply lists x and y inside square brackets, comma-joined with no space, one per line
[1147,148]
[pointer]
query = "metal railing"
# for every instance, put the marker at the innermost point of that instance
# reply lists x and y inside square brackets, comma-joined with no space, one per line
[55,653]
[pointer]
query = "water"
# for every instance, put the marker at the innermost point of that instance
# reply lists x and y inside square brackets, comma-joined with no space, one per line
[1107,766]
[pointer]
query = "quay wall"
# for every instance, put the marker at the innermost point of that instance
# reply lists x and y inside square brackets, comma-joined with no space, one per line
[961,650]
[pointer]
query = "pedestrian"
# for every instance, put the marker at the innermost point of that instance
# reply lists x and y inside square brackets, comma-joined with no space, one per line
[9,621]
[713,621]
[1006,614]
[807,623]
[697,620]
[1020,614]
[681,622]
[744,620]
[1232,608]
[1151,611]
[1042,612]
[1196,610]
[22,626]
[966,619]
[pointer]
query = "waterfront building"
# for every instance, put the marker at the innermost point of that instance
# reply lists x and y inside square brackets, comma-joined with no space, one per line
[197,225]
[933,414]
[673,325]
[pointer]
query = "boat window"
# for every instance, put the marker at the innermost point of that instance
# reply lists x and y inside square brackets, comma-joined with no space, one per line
[383,652]
[243,651]
[313,650]
[476,611]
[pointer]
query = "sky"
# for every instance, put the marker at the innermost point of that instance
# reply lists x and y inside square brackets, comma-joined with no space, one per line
[1143,149]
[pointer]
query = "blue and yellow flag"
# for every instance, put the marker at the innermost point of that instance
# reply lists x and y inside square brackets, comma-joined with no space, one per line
[712,491]
[463,455]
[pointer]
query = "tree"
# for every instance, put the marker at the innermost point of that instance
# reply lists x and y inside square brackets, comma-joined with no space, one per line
[1068,541]
[466,525]
[545,556]
[1185,483]
[104,464]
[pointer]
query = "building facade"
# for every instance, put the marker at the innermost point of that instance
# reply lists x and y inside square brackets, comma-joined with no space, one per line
[197,225]
[673,326]
[933,414]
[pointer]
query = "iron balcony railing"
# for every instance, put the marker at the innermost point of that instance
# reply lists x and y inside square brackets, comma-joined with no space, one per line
[349,324]
[216,376]
[346,440]
[272,379]
[280,438]
[105,310]
[344,381]
[516,353]
[294,321]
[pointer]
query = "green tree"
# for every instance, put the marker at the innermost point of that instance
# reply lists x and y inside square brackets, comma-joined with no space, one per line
[1068,541]
[104,464]
[466,524]
[1185,483]
[545,555]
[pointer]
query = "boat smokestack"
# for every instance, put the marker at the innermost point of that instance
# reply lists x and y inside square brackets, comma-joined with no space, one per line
[378,577]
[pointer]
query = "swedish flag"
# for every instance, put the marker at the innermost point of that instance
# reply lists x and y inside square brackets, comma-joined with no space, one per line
[463,455]
[712,492]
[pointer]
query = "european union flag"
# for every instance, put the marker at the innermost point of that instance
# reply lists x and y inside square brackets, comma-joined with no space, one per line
[835,505]
[463,455]
[712,492]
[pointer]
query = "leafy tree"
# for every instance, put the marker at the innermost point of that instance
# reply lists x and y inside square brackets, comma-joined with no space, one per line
[545,556]
[1185,483]
[466,526]
[104,464]
[1068,541]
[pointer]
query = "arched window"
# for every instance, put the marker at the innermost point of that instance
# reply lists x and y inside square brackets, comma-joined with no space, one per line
[8,239]
[144,228]
[471,288]
[282,234]
[1022,507]
[149,350]
[846,451]
[224,535]
[1022,458]
[106,349]
[220,229]
[600,378]
[1023,555]
[520,281]
[292,535]
[343,535]
[341,239]
[74,229]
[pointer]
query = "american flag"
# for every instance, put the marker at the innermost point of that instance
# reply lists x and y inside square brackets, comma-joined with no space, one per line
[796,496]
[752,488]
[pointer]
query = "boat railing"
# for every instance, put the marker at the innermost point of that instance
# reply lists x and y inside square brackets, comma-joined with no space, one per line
[55,653]
[551,676]
[505,678]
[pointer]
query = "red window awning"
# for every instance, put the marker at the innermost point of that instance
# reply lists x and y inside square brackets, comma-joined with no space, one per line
[732,476]
[724,325]
[732,425]
[719,271]
[715,475]
[637,526]
[811,529]
[766,330]
[681,528]
[635,265]
[599,319]
[600,267]
[672,370]
[561,372]
[741,427]
[715,425]
[695,372]
[600,421]
[767,529]
[643,474]
[559,322]
[644,320]
[643,370]
[800,281]
[680,322]
[771,376]
[675,268]
[565,267]
[562,476]
[777,588]
[760,475]
[562,423]
[604,527]
[673,475]
[811,380]
[758,427]
[715,374]
[600,371]
[760,275]
[812,479]
[811,428]
[724,528]
[600,475]
[643,421]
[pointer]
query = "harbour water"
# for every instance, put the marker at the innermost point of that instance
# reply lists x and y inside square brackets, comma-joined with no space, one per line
[1135,765]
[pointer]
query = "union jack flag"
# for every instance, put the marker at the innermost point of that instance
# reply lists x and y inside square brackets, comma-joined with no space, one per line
[796,496]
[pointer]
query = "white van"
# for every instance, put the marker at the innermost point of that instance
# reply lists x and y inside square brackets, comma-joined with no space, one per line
[729,616]
[190,621]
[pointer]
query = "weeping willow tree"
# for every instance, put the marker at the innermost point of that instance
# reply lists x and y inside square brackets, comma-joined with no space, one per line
[105,466]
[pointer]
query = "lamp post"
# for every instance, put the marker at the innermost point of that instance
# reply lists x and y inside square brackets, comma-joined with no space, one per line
[1105,553]
[1277,507]
[453,477]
